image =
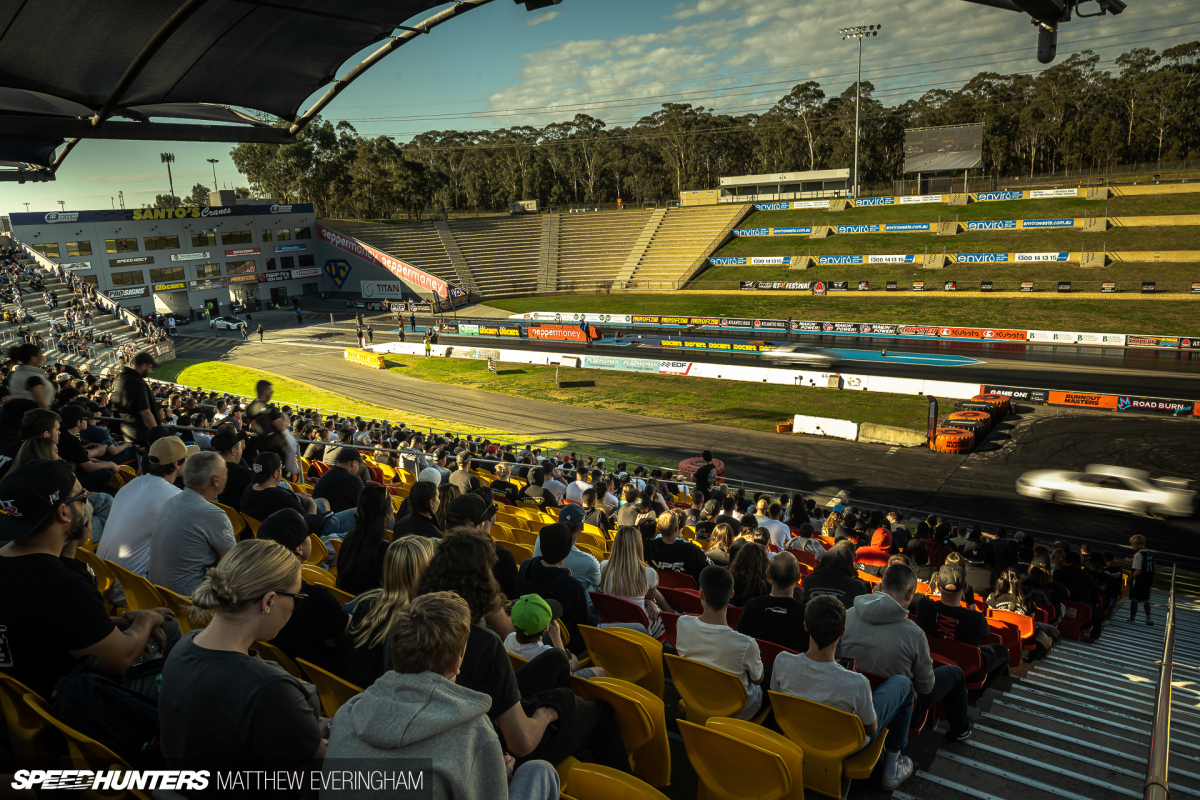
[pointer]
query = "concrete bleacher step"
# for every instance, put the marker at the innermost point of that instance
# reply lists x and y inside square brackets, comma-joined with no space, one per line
[1077,726]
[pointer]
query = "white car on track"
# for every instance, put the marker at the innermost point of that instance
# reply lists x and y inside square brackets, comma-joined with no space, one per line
[788,355]
[226,323]
[1117,488]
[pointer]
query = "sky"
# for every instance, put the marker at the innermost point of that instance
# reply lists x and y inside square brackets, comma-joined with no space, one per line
[618,60]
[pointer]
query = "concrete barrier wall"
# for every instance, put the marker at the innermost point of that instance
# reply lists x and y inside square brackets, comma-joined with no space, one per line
[825,426]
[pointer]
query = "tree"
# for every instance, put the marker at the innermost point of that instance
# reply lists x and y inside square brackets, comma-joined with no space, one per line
[198,197]
[167,201]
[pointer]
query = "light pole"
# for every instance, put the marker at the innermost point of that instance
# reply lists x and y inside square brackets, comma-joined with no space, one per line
[62,204]
[858,32]
[168,159]
[27,206]
[214,161]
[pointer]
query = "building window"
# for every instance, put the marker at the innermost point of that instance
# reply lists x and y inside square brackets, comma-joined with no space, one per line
[162,242]
[283,234]
[88,279]
[303,233]
[79,248]
[287,262]
[308,260]
[239,267]
[266,234]
[237,237]
[309,289]
[129,245]
[204,239]
[49,250]
[132,278]
[166,274]
[208,270]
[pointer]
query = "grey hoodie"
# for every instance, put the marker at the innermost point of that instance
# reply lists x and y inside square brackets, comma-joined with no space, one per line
[882,639]
[422,716]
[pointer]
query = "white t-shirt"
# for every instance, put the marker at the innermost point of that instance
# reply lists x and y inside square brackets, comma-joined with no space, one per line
[639,600]
[722,647]
[554,487]
[126,539]
[824,682]
[525,651]
[779,531]
[575,491]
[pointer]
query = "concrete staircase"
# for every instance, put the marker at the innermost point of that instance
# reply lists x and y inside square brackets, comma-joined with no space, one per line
[680,246]
[1077,726]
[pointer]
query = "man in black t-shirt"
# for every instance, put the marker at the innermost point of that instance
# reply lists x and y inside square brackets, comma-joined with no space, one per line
[340,486]
[51,613]
[670,553]
[231,444]
[778,617]
[947,619]
[93,474]
[706,475]
[266,422]
[836,576]
[133,402]
[265,496]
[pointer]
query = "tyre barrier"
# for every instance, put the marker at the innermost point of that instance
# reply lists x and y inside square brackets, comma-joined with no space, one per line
[689,466]
[953,440]
[991,410]
[1001,400]
[982,417]
[979,427]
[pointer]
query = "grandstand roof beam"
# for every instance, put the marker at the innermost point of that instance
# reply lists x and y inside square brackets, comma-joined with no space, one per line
[141,131]
[425,26]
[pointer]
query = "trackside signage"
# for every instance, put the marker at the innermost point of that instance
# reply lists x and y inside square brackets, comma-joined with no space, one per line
[395,266]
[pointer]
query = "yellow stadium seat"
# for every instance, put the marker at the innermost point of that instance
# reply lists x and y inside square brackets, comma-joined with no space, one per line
[405,477]
[594,552]
[339,595]
[332,690]
[592,529]
[140,594]
[104,576]
[396,502]
[627,654]
[502,532]
[758,736]
[389,473]
[26,730]
[832,741]
[523,536]
[594,782]
[269,652]
[85,753]
[319,550]
[314,574]
[253,523]
[520,551]
[648,747]
[707,691]
[511,520]
[516,661]
[732,769]
[180,605]
[235,519]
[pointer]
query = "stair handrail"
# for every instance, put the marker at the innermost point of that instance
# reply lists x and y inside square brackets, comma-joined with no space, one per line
[1156,785]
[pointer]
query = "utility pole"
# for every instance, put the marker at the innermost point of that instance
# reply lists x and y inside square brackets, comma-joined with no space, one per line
[121,197]
[858,32]
[214,161]
[62,204]
[168,159]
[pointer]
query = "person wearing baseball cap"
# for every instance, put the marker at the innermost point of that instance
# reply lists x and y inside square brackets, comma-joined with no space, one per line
[948,619]
[93,473]
[533,618]
[339,487]
[126,539]
[50,609]
[472,511]
[230,444]
[462,477]
[547,575]
[268,495]
[134,404]
[584,566]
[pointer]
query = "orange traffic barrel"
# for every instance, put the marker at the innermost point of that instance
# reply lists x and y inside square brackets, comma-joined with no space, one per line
[953,440]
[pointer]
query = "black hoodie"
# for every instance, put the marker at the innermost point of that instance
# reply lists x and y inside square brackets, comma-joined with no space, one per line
[556,583]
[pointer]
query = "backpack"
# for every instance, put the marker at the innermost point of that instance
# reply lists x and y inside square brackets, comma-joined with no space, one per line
[121,719]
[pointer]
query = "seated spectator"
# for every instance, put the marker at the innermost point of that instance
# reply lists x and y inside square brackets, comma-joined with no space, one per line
[709,639]
[883,640]
[547,576]
[360,559]
[632,506]
[774,523]
[729,514]
[535,492]
[836,576]
[583,566]
[463,564]
[475,512]
[266,495]
[231,445]
[219,703]
[671,553]
[50,609]
[750,579]
[1010,596]
[815,675]
[624,574]
[804,542]
[1082,587]
[719,542]
[574,491]
[375,610]
[318,627]
[36,449]
[947,619]
[462,477]
[533,620]
[418,711]
[423,505]
[554,482]
[339,486]
[777,617]
[502,489]
[191,533]
[1044,592]
[446,494]
[594,514]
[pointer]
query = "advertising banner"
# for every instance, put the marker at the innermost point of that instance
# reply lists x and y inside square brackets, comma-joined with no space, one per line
[130,262]
[1083,400]
[992,225]
[918,330]
[187,212]
[1048,223]
[1039,396]
[861,202]
[273,277]
[751,231]
[981,258]
[713,321]
[790,286]
[76,266]
[290,248]
[839,286]
[170,287]
[1101,338]
[381,290]
[1035,194]
[807,326]
[810,204]
[674,367]
[858,228]
[126,292]
[775,206]
[201,256]
[906,227]
[621,364]
[1023,258]
[398,268]
[839,259]
[560,334]
[931,429]
[950,286]
[985,197]
[908,258]
[919,198]
[1154,405]
[807,229]
[206,284]
[306,272]
[737,323]
[918,286]
[771,324]
[986,286]
[770,259]
[1152,341]
[728,261]
[243,278]
[1108,287]
[467,329]
[1004,335]
[243,251]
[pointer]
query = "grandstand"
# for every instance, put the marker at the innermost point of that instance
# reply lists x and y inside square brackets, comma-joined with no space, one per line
[594,247]
[420,244]
[680,246]
[502,254]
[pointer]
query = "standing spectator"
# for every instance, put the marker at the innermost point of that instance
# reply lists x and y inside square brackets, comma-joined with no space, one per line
[266,422]
[1143,577]
[191,534]
[947,619]
[28,378]
[370,334]
[777,617]
[709,640]
[412,320]
[134,403]
[428,346]
[670,553]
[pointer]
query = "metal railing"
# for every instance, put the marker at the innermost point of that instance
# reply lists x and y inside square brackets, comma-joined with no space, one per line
[1157,776]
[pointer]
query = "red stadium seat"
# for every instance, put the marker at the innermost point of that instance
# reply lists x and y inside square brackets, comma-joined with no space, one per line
[615,609]
[683,601]
[966,656]
[675,580]
[1077,618]
[769,650]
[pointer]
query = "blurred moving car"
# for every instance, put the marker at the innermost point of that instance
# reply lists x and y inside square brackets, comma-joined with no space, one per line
[789,355]
[1118,488]
[226,323]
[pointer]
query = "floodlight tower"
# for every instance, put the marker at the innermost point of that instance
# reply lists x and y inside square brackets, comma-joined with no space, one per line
[168,159]
[858,32]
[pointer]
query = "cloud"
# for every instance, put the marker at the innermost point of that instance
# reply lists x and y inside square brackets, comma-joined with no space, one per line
[540,18]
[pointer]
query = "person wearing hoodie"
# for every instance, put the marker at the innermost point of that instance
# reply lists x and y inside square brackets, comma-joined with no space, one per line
[536,492]
[416,710]
[836,576]
[883,640]
[545,575]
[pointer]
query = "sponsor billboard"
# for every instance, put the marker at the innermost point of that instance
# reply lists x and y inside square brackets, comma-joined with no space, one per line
[561,334]
[273,277]
[918,330]
[807,229]
[1082,400]
[674,367]
[622,364]
[400,269]
[770,259]
[919,198]
[810,204]
[1040,396]
[188,212]
[984,197]
[728,261]
[290,248]
[243,278]
[125,293]
[859,228]
[1035,194]
[981,258]
[946,147]
[306,272]
[773,206]
[1048,223]
[906,227]
[1024,258]
[243,251]
[175,286]
[737,323]
[771,324]
[76,266]
[381,290]
[201,256]
[874,201]
[129,262]
[908,258]
[1004,335]
[1155,405]
[206,284]
[1152,341]
[751,231]
[839,259]
[992,225]
[790,286]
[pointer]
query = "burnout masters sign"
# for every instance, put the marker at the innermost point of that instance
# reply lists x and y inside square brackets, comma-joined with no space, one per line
[401,270]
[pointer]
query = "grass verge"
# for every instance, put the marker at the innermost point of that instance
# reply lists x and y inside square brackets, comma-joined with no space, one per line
[1165,317]
[241,380]
[707,400]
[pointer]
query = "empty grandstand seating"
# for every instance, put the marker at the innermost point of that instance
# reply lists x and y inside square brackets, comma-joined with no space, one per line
[418,244]
[594,247]
[503,253]
[684,239]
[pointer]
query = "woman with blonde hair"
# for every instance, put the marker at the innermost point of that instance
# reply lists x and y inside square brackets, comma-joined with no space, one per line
[832,523]
[718,544]
[221,702]
[376,610]
[624,574]
[504,490]
[33,449]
